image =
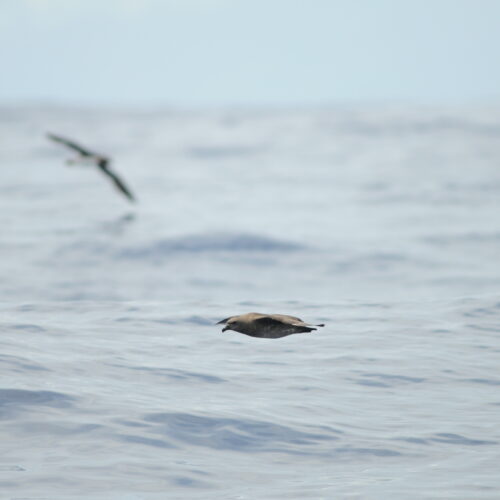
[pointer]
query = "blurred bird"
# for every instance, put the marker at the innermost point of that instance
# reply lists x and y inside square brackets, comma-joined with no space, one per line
[267,326]
[102,162]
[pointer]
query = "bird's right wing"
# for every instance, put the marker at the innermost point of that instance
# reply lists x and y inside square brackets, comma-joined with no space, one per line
[70,144]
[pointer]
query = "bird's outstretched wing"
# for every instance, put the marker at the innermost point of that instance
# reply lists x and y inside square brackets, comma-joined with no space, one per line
[120,185]
[275,322]
[70,144]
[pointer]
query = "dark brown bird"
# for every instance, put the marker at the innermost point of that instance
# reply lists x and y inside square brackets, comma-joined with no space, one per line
[102,162]
[266,326]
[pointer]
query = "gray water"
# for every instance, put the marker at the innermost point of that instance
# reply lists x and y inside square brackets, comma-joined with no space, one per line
[382,223]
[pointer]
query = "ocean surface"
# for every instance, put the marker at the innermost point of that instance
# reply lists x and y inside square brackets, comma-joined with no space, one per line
[381,222]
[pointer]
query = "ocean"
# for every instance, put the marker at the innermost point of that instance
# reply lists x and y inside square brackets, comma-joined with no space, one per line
[380,221]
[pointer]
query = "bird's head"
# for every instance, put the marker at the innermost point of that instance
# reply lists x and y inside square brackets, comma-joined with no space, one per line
[230,324]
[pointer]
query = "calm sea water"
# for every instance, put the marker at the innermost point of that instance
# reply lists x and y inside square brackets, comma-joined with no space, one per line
[382,223]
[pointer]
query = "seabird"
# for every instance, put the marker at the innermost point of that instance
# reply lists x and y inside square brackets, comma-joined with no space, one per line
[102,162]
[266,326]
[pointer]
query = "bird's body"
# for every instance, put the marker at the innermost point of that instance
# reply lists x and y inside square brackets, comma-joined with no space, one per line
[268,326]
[100,161]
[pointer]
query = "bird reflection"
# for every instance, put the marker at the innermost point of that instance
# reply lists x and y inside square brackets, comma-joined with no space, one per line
[119,225]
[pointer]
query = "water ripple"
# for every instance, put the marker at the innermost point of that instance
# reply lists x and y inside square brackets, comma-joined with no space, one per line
[209,243]
[174,374]
[445,437]
[19,364]
[386,380]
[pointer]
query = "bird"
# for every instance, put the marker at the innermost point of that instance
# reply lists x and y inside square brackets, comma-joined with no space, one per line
[102,162]
[266,326]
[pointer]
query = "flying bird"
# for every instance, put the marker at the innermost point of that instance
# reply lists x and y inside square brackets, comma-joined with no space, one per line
[102,162]
[266,326]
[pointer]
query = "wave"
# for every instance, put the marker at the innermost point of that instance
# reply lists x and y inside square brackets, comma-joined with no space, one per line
[235,434]
[14,401]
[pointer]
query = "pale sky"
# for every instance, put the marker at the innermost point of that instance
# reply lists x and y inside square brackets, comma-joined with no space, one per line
[249,52]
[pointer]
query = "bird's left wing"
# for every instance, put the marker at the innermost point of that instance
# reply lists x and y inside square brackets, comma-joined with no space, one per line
[270,322]
[117,182]
[223,321]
